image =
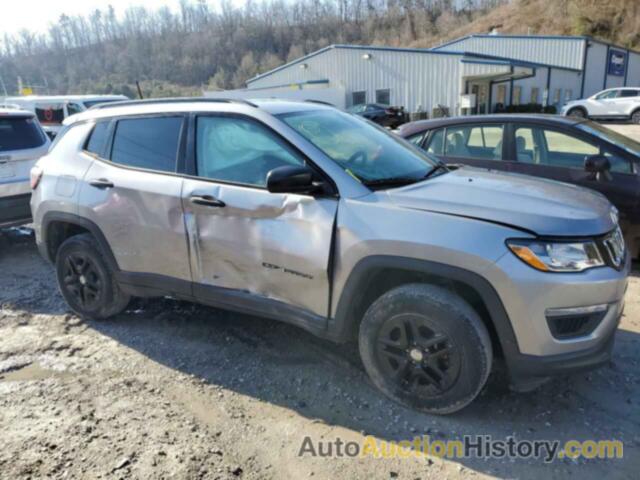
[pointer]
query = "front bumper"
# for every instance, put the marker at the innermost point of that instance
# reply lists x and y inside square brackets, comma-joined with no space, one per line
[528,295]
[528,371]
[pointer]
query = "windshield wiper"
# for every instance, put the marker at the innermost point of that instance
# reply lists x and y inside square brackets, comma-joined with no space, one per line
[392,181]
[440,166]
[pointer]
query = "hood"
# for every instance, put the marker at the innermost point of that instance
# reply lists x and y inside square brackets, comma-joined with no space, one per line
[541,206]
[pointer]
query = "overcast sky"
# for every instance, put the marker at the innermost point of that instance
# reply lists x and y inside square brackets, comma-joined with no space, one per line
[37,14]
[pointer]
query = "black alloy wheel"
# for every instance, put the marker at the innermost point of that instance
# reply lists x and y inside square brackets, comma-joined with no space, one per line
[82,281]
[422,360]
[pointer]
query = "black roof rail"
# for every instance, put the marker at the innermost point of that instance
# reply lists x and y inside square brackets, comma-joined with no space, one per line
[321,102]
[159,101]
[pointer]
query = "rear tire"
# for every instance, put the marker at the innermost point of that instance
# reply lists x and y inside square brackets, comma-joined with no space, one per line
[425,347]
[86,281]
[635,117]
[577,113]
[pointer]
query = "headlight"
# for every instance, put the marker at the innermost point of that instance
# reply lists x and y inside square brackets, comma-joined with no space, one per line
[557,256]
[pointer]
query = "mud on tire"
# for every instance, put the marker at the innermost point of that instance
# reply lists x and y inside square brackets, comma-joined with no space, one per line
[425,347]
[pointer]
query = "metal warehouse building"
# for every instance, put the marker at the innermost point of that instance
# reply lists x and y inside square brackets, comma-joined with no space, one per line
[474,74]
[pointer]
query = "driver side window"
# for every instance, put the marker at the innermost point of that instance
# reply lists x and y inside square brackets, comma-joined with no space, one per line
[239,150]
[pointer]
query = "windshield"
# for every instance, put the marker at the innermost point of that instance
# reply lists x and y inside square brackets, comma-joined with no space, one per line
[365,151]
[20,133]
[611,136]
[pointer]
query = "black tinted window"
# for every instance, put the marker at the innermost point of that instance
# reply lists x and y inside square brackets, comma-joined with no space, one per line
[98,139]
[18,133]
[629,93]
[147,143]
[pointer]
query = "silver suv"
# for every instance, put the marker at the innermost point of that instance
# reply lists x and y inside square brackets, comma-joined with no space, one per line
[22,142]
[306,214]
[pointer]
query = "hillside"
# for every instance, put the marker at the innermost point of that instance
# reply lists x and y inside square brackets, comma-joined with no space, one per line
[204,46]
[616,21]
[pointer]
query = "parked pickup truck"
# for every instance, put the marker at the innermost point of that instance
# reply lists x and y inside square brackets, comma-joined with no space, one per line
[309,215]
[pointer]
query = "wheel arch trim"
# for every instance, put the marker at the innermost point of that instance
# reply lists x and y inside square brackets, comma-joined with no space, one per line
[72,219]
[342,323]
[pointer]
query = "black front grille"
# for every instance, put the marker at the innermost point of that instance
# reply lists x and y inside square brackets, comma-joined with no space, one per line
[612,249]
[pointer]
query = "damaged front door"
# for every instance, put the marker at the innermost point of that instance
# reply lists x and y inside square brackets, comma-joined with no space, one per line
[242,237]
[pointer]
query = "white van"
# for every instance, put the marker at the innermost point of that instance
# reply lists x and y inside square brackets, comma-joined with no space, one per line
[52,110]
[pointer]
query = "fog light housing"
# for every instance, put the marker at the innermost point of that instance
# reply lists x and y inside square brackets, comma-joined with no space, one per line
[567,323]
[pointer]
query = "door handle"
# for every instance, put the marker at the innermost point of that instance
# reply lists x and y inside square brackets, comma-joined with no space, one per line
[101,183]
[207,201]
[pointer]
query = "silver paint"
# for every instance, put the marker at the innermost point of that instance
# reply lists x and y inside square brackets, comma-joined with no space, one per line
[275,245]
[279,245]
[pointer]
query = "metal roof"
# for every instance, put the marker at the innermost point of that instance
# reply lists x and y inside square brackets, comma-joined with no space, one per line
[424,51]
[532,37]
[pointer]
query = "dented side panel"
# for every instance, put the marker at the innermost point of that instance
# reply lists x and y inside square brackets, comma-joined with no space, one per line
[274,245]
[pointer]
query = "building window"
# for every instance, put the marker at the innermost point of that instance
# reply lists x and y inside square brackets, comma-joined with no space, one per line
[358,98]
[383,97]
[535,93]
[567,95]
[517,94]
[557,95]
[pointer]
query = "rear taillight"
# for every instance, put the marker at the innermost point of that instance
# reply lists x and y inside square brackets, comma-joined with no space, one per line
[36,176]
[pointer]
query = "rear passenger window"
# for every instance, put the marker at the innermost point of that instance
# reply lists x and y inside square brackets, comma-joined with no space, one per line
[98,139]
[150,143]
[481,142]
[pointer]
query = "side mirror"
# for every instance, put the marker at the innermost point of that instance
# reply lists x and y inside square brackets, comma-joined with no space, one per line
[293,179]
[598,166]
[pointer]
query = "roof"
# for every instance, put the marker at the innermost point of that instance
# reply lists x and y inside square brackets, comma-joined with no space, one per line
[13,111]
[424,51]
[181,105]
[532,37]
[62,98]
[420,125]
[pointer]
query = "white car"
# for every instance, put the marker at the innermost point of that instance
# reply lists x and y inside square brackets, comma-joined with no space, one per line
[613,103]
[51,110]
[22,143]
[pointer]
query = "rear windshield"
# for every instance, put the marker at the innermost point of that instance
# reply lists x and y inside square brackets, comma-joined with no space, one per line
[20,133]
[611,136]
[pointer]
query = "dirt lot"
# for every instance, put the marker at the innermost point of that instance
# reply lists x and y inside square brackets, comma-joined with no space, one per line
[172,390]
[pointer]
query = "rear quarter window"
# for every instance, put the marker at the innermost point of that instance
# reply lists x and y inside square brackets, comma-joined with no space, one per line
[98,138]
[20,133]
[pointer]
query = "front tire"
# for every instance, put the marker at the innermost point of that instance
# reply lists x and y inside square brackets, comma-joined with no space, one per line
[86,280]
[577,113]
[425,347]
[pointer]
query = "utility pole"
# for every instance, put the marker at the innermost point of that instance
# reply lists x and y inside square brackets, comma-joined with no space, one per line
[4,87]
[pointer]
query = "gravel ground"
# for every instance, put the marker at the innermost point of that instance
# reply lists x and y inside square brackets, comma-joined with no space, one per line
[173,390]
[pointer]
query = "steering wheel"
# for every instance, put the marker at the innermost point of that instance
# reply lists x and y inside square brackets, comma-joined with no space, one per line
[358,158]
